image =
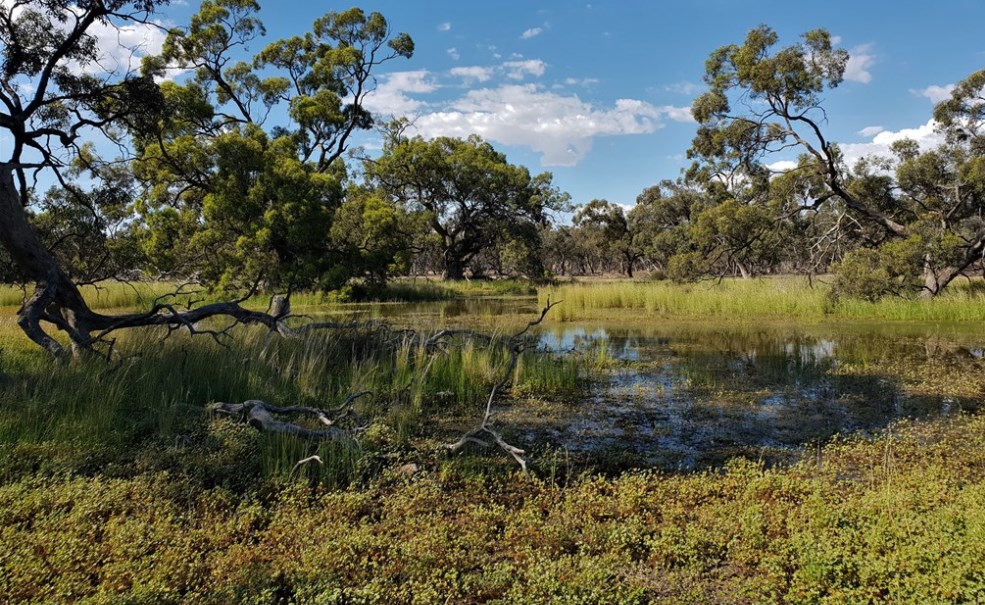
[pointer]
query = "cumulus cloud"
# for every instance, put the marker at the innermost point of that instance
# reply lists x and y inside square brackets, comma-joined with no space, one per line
[561,128]
[782,166]
[446,26]
[120,47]
[391,96]
[935,93]
[859,62]
[532,33]
[518,70]
[926,136]
[472,73]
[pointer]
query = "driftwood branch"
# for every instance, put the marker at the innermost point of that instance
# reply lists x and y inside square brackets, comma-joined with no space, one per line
[516,344]
[261,416]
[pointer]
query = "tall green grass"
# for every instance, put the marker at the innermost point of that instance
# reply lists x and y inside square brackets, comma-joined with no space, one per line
[157,391]
[110,295]
[763,298]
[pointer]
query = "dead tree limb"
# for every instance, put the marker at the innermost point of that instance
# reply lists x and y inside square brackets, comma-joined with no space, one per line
[260,415]
[516,345]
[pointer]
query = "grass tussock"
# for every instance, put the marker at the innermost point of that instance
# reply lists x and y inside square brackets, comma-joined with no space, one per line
[762,298]
[110,295]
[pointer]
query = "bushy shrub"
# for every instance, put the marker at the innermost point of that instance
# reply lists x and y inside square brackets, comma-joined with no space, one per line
[872,273]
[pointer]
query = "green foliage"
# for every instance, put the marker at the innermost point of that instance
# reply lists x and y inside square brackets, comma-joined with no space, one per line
[870,274]
[606,226]
[470,197]
[262,200]
[934,197]
[374,235]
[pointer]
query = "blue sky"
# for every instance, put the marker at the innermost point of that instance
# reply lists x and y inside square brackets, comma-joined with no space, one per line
[597,92]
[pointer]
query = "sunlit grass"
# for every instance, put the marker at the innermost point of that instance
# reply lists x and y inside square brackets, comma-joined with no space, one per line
[112,295]
[116,486]
[763,298]
[157,390]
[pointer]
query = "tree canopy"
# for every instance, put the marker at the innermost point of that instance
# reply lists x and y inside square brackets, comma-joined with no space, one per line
[763,101]
[221,194]
[471,196]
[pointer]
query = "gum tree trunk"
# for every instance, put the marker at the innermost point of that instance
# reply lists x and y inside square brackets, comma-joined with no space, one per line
[57,301]
[56,298]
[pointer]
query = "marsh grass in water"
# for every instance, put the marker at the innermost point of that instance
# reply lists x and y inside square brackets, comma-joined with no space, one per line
[115,486]
[761,298]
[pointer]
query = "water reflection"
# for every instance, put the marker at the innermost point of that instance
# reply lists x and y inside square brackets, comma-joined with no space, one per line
[687,396]
[691,394]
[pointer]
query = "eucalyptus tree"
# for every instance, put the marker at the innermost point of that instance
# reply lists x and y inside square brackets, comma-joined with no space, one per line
[606,224]
[762,101]
[472,198]
[201,145]
[660,221]
[377,237]
[263,191]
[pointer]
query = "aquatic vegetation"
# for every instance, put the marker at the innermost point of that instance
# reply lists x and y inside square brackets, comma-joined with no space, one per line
[772,298]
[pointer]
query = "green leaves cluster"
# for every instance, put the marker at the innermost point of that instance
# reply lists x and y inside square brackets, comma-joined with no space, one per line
[234,199]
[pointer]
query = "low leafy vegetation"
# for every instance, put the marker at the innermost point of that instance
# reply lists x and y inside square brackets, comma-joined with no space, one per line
[897,519]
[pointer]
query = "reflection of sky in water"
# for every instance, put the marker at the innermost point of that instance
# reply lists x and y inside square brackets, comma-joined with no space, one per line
[677,399]
[811,353]
[682,395]
[572,338]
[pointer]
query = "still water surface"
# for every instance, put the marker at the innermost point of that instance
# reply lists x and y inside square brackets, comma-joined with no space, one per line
[685,394]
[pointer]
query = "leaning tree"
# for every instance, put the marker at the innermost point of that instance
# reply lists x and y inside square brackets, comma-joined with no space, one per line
[202,145]
[762,102]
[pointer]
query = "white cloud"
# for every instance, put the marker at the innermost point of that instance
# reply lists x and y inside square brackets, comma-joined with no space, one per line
[120,46]
[454,54]
[860,60]
[935,93]
[446,26]
[518,70]
[472,73]
[532,33]
[581,81]
[926,136]
[561,128]
[684,88]
[391,96]
[871,131]
[782,166]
